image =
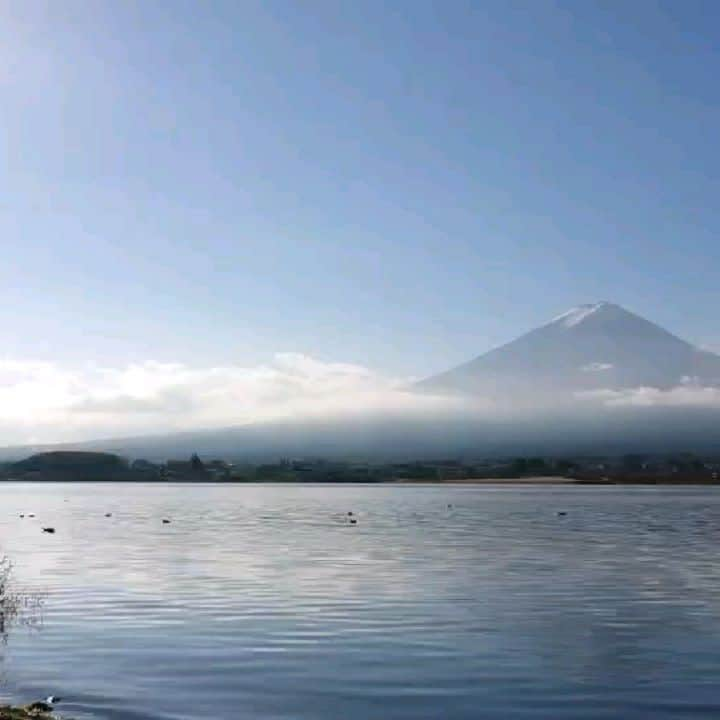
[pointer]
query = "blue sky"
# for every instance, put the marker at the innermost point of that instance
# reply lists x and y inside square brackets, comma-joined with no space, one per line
[398,185]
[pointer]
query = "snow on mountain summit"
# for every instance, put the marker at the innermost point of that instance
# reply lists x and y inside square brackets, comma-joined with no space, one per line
[576,315]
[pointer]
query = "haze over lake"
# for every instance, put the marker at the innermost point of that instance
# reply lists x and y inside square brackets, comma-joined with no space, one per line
[444,601]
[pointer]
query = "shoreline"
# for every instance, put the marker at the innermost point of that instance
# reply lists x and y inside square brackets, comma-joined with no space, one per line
[527,481]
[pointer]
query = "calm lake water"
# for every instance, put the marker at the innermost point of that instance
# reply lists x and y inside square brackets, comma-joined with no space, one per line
[441,602]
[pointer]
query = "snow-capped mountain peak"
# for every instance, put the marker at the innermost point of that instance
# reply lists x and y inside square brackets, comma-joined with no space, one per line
[594,346]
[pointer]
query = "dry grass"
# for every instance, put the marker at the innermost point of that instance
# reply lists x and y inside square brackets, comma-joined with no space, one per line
[36,711]
[16,606]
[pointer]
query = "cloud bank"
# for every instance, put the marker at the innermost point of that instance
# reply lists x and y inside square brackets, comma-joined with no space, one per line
[684,395]
[43,402]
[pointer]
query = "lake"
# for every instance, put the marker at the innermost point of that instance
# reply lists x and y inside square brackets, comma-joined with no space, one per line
[457,602]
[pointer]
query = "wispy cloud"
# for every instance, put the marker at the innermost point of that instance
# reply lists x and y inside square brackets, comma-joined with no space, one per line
[597,367]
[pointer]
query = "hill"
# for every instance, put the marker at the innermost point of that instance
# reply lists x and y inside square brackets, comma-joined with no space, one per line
[70,465]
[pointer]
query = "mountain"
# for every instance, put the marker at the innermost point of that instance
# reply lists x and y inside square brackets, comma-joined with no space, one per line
[591,347]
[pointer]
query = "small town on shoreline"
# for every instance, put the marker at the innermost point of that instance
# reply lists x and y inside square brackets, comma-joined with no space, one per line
[79,466]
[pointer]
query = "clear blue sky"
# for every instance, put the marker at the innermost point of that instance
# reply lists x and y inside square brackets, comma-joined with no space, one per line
[402,185]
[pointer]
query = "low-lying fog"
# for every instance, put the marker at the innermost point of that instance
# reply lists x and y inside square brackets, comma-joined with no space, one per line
[297,405]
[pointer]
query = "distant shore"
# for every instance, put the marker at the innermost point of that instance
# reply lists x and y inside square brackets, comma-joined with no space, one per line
[400,482]
[174,481]
[80,466]
[542,480]
[557,480]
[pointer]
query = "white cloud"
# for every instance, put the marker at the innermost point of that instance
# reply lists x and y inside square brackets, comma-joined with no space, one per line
[42,402]
[684,395]
[597,367]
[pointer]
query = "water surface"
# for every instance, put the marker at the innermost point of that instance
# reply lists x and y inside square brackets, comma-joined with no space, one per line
[462,602]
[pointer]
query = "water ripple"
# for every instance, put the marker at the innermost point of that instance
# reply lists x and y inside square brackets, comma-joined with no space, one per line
[264,602]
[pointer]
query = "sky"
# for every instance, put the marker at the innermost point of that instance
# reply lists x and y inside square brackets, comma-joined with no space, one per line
[389,187]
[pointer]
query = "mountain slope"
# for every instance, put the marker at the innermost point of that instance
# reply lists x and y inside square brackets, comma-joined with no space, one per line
[591,347]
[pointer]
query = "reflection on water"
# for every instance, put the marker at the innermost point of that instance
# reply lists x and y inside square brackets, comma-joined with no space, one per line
[441,602]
